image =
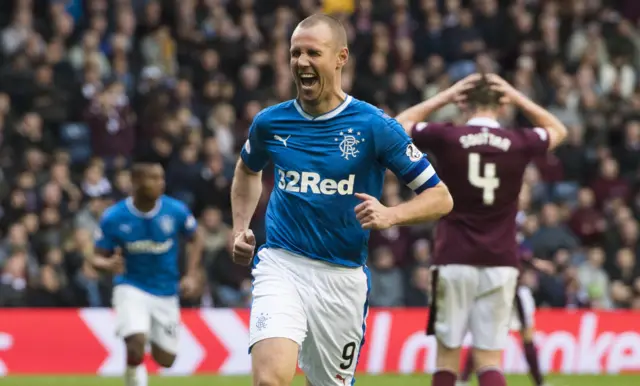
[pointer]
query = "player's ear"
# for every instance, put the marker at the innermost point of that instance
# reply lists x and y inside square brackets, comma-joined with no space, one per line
[343,57]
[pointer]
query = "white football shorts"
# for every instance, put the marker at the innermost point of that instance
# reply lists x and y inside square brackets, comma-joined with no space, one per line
[473,299]
[524,309]
[320,306]
[139,312]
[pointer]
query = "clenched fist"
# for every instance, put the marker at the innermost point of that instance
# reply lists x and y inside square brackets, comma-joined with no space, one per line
[244,245]
[190,286]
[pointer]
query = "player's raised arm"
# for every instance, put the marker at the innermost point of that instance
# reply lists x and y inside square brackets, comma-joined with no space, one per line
[396,151]
[536,114]
[420,112]
[246,189]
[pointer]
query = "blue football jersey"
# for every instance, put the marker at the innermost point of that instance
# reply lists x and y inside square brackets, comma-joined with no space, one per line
[149,242]
[320,163]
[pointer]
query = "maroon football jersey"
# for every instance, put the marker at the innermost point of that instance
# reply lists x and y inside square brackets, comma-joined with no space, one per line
[483,168]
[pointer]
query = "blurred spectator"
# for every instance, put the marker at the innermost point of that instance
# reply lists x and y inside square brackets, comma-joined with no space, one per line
[216,232]
[88,218]
[49,101]
[159,50]
[110,123]
[624,279]
[594,280]
[16,34]
[610,185]
[182,174]
[13,281]
[232,282]
[221,124]
[397,239]
[551,236]
[417,295]
[87,51]
[586,222]
[629,153]
[386,280]
[95,182]
[16,245]
[52,289]
[30,133]
[87,280]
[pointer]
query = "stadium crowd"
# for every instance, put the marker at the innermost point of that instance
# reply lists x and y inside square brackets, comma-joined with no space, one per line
[88,86]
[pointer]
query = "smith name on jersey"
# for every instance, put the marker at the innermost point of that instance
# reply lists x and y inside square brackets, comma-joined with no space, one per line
[149,242]
[320,163]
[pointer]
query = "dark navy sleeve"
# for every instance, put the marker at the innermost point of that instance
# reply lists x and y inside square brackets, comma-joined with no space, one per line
[254,152]
[189,224]
[395,151]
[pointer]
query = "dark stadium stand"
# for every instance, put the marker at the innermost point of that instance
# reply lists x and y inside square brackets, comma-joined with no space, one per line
[88,86]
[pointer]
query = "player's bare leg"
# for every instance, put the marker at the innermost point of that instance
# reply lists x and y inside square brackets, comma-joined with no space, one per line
[161,356]
[136,372]
[488,365]
[447,365]
[274,362]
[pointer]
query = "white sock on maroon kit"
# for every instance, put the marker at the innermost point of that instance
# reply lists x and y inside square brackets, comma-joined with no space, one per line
[136,376]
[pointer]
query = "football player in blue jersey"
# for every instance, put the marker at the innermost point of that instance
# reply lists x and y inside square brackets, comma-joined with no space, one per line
[330,153]
[138,240]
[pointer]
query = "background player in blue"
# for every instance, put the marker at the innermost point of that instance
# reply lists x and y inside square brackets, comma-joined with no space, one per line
[330,153]
[139,240]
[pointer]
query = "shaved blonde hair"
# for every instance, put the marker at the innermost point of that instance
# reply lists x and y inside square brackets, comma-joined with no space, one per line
[337,29]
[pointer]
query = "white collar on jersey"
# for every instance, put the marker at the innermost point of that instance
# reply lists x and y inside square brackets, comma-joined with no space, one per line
[331,114]
[484,121]
[132,208]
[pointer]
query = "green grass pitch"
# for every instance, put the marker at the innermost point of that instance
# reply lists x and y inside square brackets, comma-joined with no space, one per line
[363,380]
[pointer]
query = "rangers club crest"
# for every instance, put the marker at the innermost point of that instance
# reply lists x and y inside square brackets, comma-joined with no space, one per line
[166,224]
[349,144]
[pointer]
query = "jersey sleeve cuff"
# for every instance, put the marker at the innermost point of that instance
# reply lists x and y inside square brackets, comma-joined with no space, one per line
[246,159]
[190,233]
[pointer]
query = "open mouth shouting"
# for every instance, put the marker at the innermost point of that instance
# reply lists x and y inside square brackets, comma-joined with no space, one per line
[308,80]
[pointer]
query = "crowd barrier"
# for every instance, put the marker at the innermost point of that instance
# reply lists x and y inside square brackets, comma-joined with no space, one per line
[214,341]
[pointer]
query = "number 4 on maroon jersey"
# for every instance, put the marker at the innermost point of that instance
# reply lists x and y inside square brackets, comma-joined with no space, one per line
[483,165]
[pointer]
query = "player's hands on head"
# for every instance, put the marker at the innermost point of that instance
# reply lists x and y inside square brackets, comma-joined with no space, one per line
[509,93]
[457,92]
[372,214]
[244,245]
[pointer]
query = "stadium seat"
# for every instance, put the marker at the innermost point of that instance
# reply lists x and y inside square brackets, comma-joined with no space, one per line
[75,137]
[73,133]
